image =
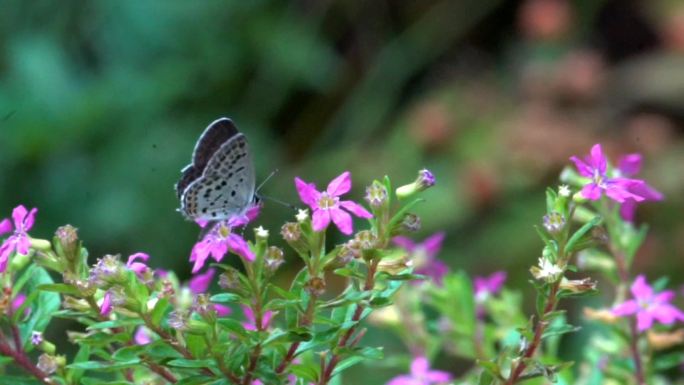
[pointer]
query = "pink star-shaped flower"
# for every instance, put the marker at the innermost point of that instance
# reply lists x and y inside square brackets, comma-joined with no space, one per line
[424,255]
[649,306]
[19,241]
[222,239]
[327,206]
[421,374]
[595,167]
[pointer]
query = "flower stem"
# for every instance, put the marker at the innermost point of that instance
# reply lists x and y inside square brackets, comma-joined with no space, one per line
[22,360]
[551,302]
[306,321]
[335,359]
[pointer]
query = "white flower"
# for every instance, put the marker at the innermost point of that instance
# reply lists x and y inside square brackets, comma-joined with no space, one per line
[564,190]
[261,232]
[302,215]
[546,270]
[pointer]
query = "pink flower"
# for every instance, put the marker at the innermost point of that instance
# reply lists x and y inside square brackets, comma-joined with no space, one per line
[630,165]
[595,167]
[219,241]
[326,205]
[106,306]
[251,320]
[17,302]
[488,286]
[139,268]
[421,374]
[142,336]
[424,255]
[200,282]
[19,241]
[649,306]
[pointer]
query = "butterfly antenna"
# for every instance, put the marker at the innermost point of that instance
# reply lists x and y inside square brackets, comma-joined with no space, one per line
[263,197]
[267,179]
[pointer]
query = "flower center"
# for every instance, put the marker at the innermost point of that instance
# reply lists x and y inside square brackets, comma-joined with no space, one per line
[598,179]
[326,201]
[223,231]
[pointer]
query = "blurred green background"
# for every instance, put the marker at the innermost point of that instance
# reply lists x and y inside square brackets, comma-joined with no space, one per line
[101,103]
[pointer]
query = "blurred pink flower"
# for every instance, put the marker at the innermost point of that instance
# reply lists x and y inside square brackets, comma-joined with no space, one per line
[200,282]
[488,286]
[222,239]
[138,267]
[421,374]
[424,255]
[649,306]
[630,165]
[326,205]
[142,336]
[595,167]
[19,241]
[106,306]
[250,324]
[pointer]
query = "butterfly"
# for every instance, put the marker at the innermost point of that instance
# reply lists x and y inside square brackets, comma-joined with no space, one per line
[219,184]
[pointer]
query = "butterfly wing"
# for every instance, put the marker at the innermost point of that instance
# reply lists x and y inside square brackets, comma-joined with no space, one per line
[226,187]
[216,134]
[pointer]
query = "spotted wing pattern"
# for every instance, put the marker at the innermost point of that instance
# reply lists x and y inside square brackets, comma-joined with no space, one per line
[226,186]
[215,135]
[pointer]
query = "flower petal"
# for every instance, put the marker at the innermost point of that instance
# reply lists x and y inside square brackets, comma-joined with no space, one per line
[598,160]
[496,281]
[630,164]
[239,246]
[23,244]
[405,243]
[342,220]
[340,185]
[433,244]
[200,282]
[626,308]
[30,219]
[419,366]
[644,321]
[640,288]
[628,210]
[438,376]
[356,209]
[5,251]
[142,337]
[582,168]
[106,306]
[18,215]
[320,220]
[5,226]
[307,192]
[591,191]
[133,257]
[222,310]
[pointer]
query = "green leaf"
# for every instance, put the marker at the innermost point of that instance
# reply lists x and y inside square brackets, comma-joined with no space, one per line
[492,368]
[124,322]
[225,297]
[579,234]
[184,363]
[196,380]
[307,372]
[74,375]
[233,326]
[159,310]
[668,361]
[62,288]
[104,365]
[17,380]
[43,305]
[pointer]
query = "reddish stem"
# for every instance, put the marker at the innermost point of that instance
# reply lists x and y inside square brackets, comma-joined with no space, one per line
[22,360]
[536,340]
[335,359]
